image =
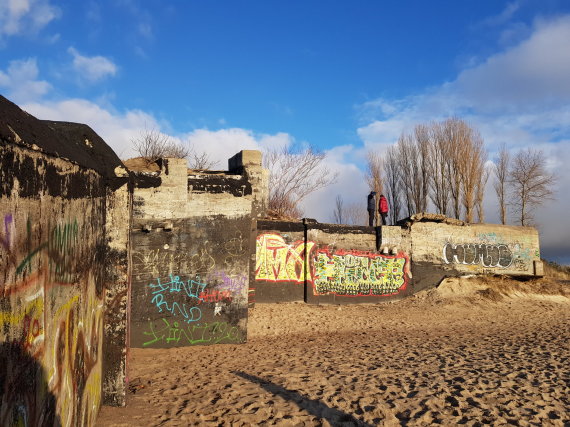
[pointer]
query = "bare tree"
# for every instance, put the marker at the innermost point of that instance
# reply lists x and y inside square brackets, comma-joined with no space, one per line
[444,162]
[423,141]
[294,174]
[439,182]
[374,171]
[356,214]
[480,194]
[392,179]
[501,171]
[413,171]
[153,145]
[338,213]
[374,174]
[455,134]
[471,167]
[200,160]
[530,183]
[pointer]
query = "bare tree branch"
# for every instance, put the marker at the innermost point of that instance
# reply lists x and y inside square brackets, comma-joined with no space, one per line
[501,171]
[294,174]
[153,145]
[393,180]
[530,183]
[338,213]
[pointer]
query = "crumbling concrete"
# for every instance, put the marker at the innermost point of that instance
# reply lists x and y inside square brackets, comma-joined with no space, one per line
[192,242]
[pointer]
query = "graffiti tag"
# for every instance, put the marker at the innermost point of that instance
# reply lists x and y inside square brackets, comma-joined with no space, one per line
[206,333]
[192,289]
[277,261]
[470,254]
[359,274]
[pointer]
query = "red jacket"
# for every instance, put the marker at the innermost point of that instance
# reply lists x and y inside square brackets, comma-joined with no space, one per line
[383,205]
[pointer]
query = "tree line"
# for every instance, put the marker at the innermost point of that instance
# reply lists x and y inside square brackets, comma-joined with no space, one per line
[443,167]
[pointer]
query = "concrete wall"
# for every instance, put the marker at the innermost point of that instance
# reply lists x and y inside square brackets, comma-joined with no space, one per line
[441,250]
[191,260]
[53,248]
[355,265]
[326,263]
[280,262]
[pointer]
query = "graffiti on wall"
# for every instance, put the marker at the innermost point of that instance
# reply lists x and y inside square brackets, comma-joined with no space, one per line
[233,283]
[171,333]
[164,293]
[356,273]
[65,256]
[54,314]
[276,261]
[73,360]
[155,261]
[487,255]
[215,295]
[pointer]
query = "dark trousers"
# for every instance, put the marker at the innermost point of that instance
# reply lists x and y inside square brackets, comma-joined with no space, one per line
[383,215]
[371,218]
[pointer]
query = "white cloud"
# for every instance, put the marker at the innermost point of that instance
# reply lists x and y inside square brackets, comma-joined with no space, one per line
[222,144]
[19,17]
[535,71]
[117,129]
[503,17]
[20,80]
[92,69]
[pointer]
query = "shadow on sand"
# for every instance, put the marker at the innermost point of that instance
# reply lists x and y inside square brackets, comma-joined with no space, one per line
[312,406]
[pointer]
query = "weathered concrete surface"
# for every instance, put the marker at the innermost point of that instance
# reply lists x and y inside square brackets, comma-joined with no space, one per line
[191,257]
[54,178]
[117,292]
[190,283]
[441,250]
[162,194]
[248,163]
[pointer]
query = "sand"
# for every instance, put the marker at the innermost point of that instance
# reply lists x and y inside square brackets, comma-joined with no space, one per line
[471,352]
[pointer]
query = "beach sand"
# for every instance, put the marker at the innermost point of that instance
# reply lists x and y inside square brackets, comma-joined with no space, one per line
[471,352]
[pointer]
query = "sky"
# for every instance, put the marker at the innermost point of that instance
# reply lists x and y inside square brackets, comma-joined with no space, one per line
[342,76]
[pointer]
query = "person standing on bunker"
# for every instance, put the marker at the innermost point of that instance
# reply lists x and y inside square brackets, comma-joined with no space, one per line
[383,207]
[371,208]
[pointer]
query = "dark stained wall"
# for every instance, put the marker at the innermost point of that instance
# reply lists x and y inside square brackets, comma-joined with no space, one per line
[55,182]
[192,241]
[190,283]
[52,256]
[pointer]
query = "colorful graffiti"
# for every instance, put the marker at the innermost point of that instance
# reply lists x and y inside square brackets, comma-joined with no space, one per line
[52,309]
[172,334]
[65,256]
[276,261]
[355,273]
[215,296]
[192,288]
[489,256]
[231,283]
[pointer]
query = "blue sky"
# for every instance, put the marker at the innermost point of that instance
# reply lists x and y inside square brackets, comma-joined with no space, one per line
[343,76]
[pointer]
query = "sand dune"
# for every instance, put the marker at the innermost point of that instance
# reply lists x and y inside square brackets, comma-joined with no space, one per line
[470,352]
